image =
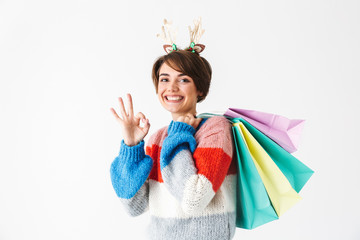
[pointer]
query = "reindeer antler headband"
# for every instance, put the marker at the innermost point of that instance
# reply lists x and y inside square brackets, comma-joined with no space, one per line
[169,36]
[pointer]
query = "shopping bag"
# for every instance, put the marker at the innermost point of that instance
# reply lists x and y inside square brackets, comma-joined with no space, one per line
[279,189]
[275,164]
[253,206]
[284,131]
[295,171]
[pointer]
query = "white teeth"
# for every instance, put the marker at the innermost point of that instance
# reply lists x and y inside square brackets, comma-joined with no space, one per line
[174,98]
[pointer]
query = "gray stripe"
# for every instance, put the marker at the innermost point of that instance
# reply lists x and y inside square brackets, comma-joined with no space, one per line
[139,202]
[178,172]
[212,227]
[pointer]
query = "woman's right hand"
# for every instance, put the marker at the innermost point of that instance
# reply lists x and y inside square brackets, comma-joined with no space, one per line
[132,132]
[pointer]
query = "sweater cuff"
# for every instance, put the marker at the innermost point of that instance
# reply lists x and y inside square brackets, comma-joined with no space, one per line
[136,152]
[176,127]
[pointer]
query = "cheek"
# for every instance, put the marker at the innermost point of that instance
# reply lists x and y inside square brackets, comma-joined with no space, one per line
[159,92]
[160,88]
[191,90]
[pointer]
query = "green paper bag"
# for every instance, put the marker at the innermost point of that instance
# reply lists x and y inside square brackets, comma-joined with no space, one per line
[253,206]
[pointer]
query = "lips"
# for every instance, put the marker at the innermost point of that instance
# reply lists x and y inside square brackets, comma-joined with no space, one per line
[174,98]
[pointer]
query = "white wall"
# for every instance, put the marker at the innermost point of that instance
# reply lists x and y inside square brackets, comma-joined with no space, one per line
[64,63]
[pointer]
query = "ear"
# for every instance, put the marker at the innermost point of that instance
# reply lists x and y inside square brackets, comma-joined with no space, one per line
[199,48]
[168,48]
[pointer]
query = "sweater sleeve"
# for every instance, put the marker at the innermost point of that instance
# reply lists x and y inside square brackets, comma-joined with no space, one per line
[129,176]
[193,172]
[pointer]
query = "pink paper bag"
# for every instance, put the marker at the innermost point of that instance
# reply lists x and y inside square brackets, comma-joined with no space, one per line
[285,132]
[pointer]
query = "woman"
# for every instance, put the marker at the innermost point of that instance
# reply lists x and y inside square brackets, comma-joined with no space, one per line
[186,178]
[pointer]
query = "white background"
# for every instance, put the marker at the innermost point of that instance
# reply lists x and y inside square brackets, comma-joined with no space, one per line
[64,63]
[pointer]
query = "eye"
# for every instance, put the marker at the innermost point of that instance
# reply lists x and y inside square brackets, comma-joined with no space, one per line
[184,80]
[163,80]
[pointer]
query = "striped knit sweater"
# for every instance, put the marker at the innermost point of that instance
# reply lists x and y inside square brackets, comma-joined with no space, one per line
[186,180]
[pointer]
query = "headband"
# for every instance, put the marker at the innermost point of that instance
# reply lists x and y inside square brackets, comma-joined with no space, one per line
[169,36]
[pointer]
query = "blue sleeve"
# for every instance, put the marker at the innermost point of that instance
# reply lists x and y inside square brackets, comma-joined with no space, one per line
[180,137]
[130,170]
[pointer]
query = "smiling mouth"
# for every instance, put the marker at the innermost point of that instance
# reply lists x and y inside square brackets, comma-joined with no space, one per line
[174,98]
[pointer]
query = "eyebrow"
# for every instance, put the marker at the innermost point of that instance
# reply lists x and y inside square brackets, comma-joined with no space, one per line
[166,74]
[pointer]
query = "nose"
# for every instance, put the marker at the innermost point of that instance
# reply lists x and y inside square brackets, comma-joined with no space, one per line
[173,87]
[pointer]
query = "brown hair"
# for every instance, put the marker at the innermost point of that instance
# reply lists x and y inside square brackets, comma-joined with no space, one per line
[189,63]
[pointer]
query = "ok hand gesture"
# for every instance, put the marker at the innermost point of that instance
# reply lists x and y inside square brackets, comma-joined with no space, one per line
[132,132]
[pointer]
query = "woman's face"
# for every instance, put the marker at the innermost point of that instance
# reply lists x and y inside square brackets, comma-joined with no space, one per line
[177,92]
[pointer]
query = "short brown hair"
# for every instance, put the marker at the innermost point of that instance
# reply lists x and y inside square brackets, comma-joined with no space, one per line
[189,63]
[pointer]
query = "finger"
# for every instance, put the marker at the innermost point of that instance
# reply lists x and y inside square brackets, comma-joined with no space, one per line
[115,114]
[139,116]
[130,105]
[191,121]
[146,126]
[191,118]
[198,121]
[122,108]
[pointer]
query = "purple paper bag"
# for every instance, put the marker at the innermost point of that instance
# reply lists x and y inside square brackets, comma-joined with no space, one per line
[285,132]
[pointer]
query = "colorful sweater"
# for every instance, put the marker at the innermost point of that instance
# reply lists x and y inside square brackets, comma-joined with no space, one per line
[186,180]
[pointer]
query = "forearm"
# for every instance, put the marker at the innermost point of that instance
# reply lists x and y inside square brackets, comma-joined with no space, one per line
[129,172]
[186,171]
[139,203]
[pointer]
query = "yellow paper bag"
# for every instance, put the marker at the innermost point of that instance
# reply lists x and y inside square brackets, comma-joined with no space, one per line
[281,194]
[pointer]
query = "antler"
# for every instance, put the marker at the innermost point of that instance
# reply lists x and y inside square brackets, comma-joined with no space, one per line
[197,32]
[168,34]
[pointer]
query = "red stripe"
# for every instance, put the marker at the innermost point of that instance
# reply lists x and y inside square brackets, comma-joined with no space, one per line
[213,163]
[154,153]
